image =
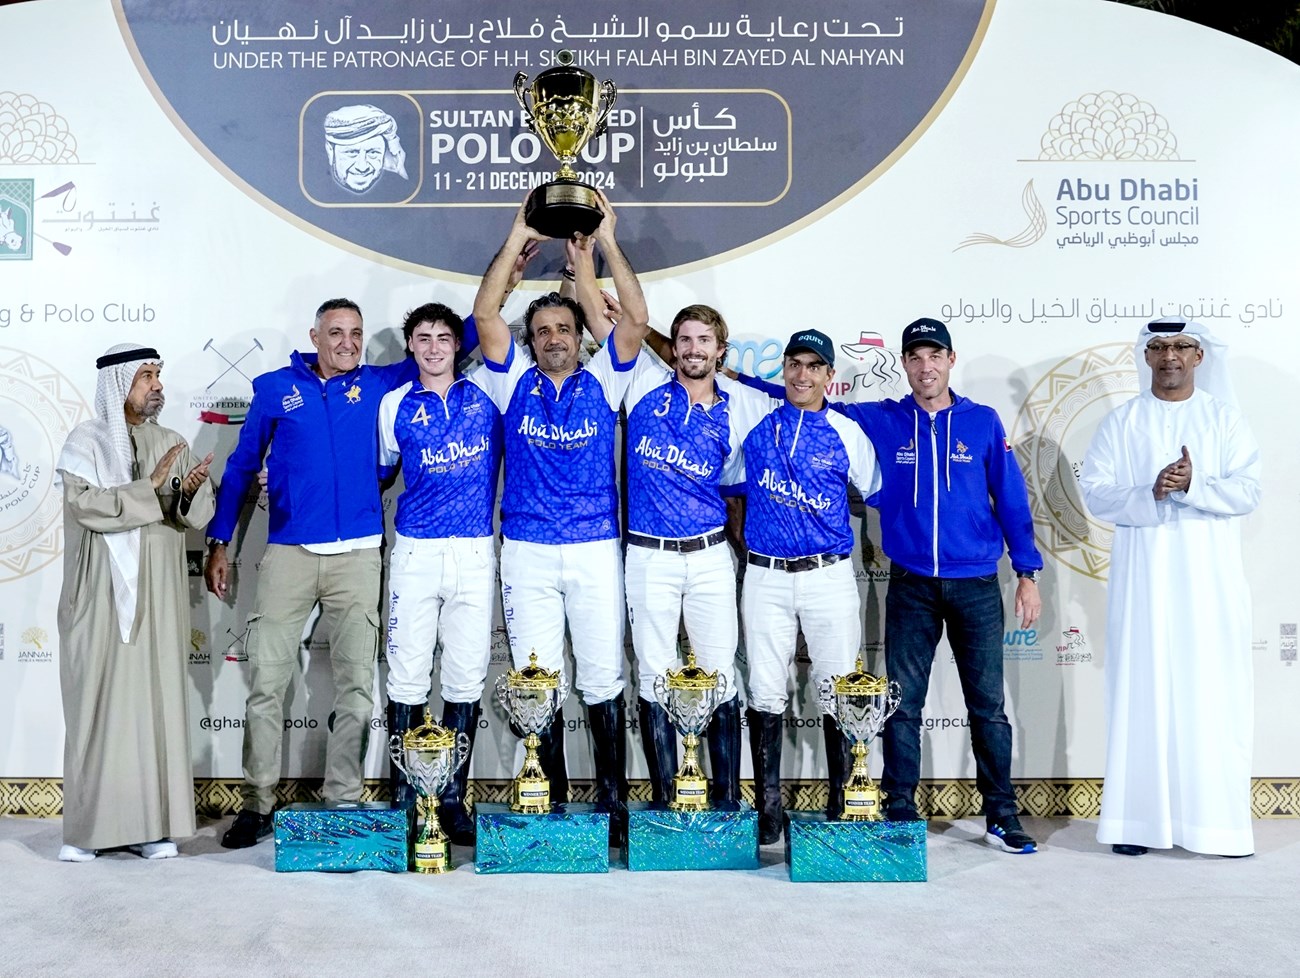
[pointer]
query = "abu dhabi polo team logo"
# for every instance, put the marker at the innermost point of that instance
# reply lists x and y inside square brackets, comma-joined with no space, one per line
[38,409]
[1050,436]
[1103,127]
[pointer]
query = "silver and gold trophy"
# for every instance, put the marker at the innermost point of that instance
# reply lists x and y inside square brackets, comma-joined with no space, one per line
[429,755]
[689,696]
[532,696]
[860,703]
[566,113]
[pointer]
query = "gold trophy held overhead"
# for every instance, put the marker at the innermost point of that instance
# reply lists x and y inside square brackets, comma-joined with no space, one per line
[566,113]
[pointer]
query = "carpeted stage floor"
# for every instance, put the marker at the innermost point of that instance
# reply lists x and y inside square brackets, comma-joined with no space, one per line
[1073,909]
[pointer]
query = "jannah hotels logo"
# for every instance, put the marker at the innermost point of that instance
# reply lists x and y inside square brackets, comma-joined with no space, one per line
[35,645]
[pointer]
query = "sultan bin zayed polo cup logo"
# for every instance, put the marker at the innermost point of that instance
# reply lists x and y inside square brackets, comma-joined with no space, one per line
[38,408]
[1051,435]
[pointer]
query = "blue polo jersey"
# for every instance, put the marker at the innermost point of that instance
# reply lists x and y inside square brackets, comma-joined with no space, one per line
[679,453]
[798,465]
[450,450]
[559,446]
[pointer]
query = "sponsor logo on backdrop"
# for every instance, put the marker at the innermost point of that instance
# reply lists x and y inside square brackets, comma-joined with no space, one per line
[38,408]
[500,653]
[1022,645]
[2,641]
[235,651]
[34,645]
[1286,642]
[1050,435]
[1073,649]
[1105,156]
[870,372]
[227,395]
[198,655]
[32,133]
[409,113]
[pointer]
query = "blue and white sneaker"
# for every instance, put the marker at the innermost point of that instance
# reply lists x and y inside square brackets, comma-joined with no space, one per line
[1005,833]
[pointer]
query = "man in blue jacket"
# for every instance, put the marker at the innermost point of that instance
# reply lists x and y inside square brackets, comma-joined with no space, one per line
[314,424]
[951,495]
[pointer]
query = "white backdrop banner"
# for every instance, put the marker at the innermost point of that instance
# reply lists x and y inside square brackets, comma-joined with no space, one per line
[1043,175]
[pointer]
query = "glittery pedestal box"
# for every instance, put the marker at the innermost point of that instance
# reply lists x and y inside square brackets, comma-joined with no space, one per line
[572,838]
[818,851]
[341,837]
[720,838]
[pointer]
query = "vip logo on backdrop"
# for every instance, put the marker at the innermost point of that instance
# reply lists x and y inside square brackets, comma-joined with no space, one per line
[35,645]
[1122,204]
[39,407]
[1074,648]
[1050,435]
[874,369]
[500,653]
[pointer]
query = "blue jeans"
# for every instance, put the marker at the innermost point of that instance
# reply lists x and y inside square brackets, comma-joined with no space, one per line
[916,611]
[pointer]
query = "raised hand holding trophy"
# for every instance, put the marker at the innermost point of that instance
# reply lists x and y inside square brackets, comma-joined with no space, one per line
[565,114]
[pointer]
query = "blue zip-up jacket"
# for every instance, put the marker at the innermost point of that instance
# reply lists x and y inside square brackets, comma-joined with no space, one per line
[323,469]
[952,491]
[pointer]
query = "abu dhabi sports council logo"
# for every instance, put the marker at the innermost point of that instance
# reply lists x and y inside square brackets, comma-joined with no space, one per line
[1104,127]
[1050,436]
[39,407]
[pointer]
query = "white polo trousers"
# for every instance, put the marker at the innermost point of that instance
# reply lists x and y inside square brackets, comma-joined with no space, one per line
[440,588]
[665,587]
[545,584]
[775,604]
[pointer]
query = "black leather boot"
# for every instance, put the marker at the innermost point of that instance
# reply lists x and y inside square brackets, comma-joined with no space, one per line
[839,762]
[765,735]
[659,740]
[551,753]
[724,752]
[456,820]
[608,721]
[401,718]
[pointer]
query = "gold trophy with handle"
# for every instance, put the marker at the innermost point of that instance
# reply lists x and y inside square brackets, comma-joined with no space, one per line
[567,111]
[531,697]
[689,696]
[429,755]
[861,703]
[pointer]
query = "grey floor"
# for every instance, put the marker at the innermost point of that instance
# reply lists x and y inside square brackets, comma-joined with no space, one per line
[1071,909]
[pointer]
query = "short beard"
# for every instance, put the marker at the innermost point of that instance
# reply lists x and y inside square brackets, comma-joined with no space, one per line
[149,412]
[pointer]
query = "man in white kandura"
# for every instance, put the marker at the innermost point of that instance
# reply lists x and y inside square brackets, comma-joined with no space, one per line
[131,488]
[1173,469]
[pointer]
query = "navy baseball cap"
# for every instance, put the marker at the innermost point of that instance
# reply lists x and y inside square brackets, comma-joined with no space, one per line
[931,332]
[812,341]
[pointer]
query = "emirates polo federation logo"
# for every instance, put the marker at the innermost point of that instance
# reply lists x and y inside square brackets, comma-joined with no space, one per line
[39,407]
[1050,436]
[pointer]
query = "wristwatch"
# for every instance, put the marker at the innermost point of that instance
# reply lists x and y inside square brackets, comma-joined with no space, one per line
[1028,575]
[211,542]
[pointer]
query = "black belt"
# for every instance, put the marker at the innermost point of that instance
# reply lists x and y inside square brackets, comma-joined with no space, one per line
[794,565]
[688,546]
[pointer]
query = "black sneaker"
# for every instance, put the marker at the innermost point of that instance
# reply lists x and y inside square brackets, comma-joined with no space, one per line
[1006,834]
[1124,849]
[248,829]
